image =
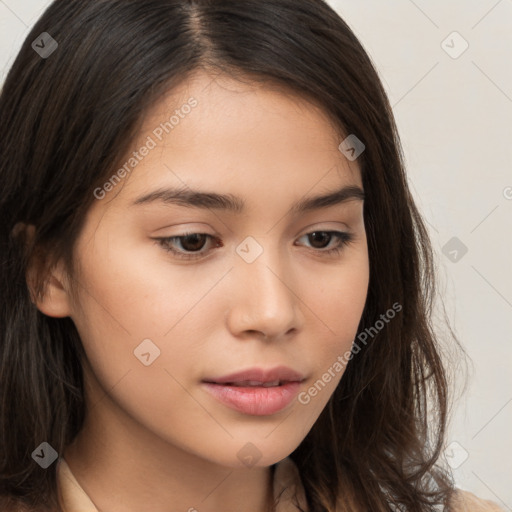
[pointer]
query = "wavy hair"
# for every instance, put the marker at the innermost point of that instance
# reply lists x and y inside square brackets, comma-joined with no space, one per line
[65,123]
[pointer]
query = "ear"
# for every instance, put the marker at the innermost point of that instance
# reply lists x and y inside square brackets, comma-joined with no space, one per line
[54,298]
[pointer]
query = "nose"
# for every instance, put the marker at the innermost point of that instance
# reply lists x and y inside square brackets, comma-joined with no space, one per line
[264,297]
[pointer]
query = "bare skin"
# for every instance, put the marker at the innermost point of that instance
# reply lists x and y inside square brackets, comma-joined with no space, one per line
[154,438]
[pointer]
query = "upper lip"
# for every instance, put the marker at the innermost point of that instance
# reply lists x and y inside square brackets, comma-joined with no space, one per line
[280,373]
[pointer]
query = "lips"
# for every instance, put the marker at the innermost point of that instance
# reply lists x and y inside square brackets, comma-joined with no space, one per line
[259,377]
[256,391]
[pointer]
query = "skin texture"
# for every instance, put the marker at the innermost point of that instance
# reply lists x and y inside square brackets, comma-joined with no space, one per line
[152,433]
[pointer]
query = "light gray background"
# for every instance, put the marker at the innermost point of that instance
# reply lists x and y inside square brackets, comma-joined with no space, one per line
[454,116]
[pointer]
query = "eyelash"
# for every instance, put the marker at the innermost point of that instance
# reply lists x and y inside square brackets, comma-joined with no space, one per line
[343,237]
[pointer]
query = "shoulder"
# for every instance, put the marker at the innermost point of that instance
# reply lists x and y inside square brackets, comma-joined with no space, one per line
[465,501]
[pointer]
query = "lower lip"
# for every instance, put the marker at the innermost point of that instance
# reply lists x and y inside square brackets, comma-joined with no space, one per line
[254,400]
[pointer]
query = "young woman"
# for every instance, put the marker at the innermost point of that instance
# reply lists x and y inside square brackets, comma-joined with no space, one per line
[216,286]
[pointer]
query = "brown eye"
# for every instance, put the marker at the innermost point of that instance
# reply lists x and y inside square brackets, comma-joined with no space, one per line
[193,242]
[320,239]
[188,245]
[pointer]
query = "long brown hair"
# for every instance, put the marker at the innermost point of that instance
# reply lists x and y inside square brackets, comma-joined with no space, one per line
[68,119]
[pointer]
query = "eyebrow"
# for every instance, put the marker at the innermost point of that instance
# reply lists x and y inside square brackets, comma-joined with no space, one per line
[231,203]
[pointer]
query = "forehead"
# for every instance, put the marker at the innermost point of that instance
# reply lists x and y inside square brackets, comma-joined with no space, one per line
[218,93]
[216,132]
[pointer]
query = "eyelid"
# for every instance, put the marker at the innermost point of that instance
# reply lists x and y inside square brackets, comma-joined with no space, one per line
[325,226]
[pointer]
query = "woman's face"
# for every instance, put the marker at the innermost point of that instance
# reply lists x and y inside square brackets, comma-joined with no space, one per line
[251,288]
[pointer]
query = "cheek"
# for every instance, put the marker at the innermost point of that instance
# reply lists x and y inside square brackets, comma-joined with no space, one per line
[130,317]
[337,304]
[338,297]
[133,304]
[131,288]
